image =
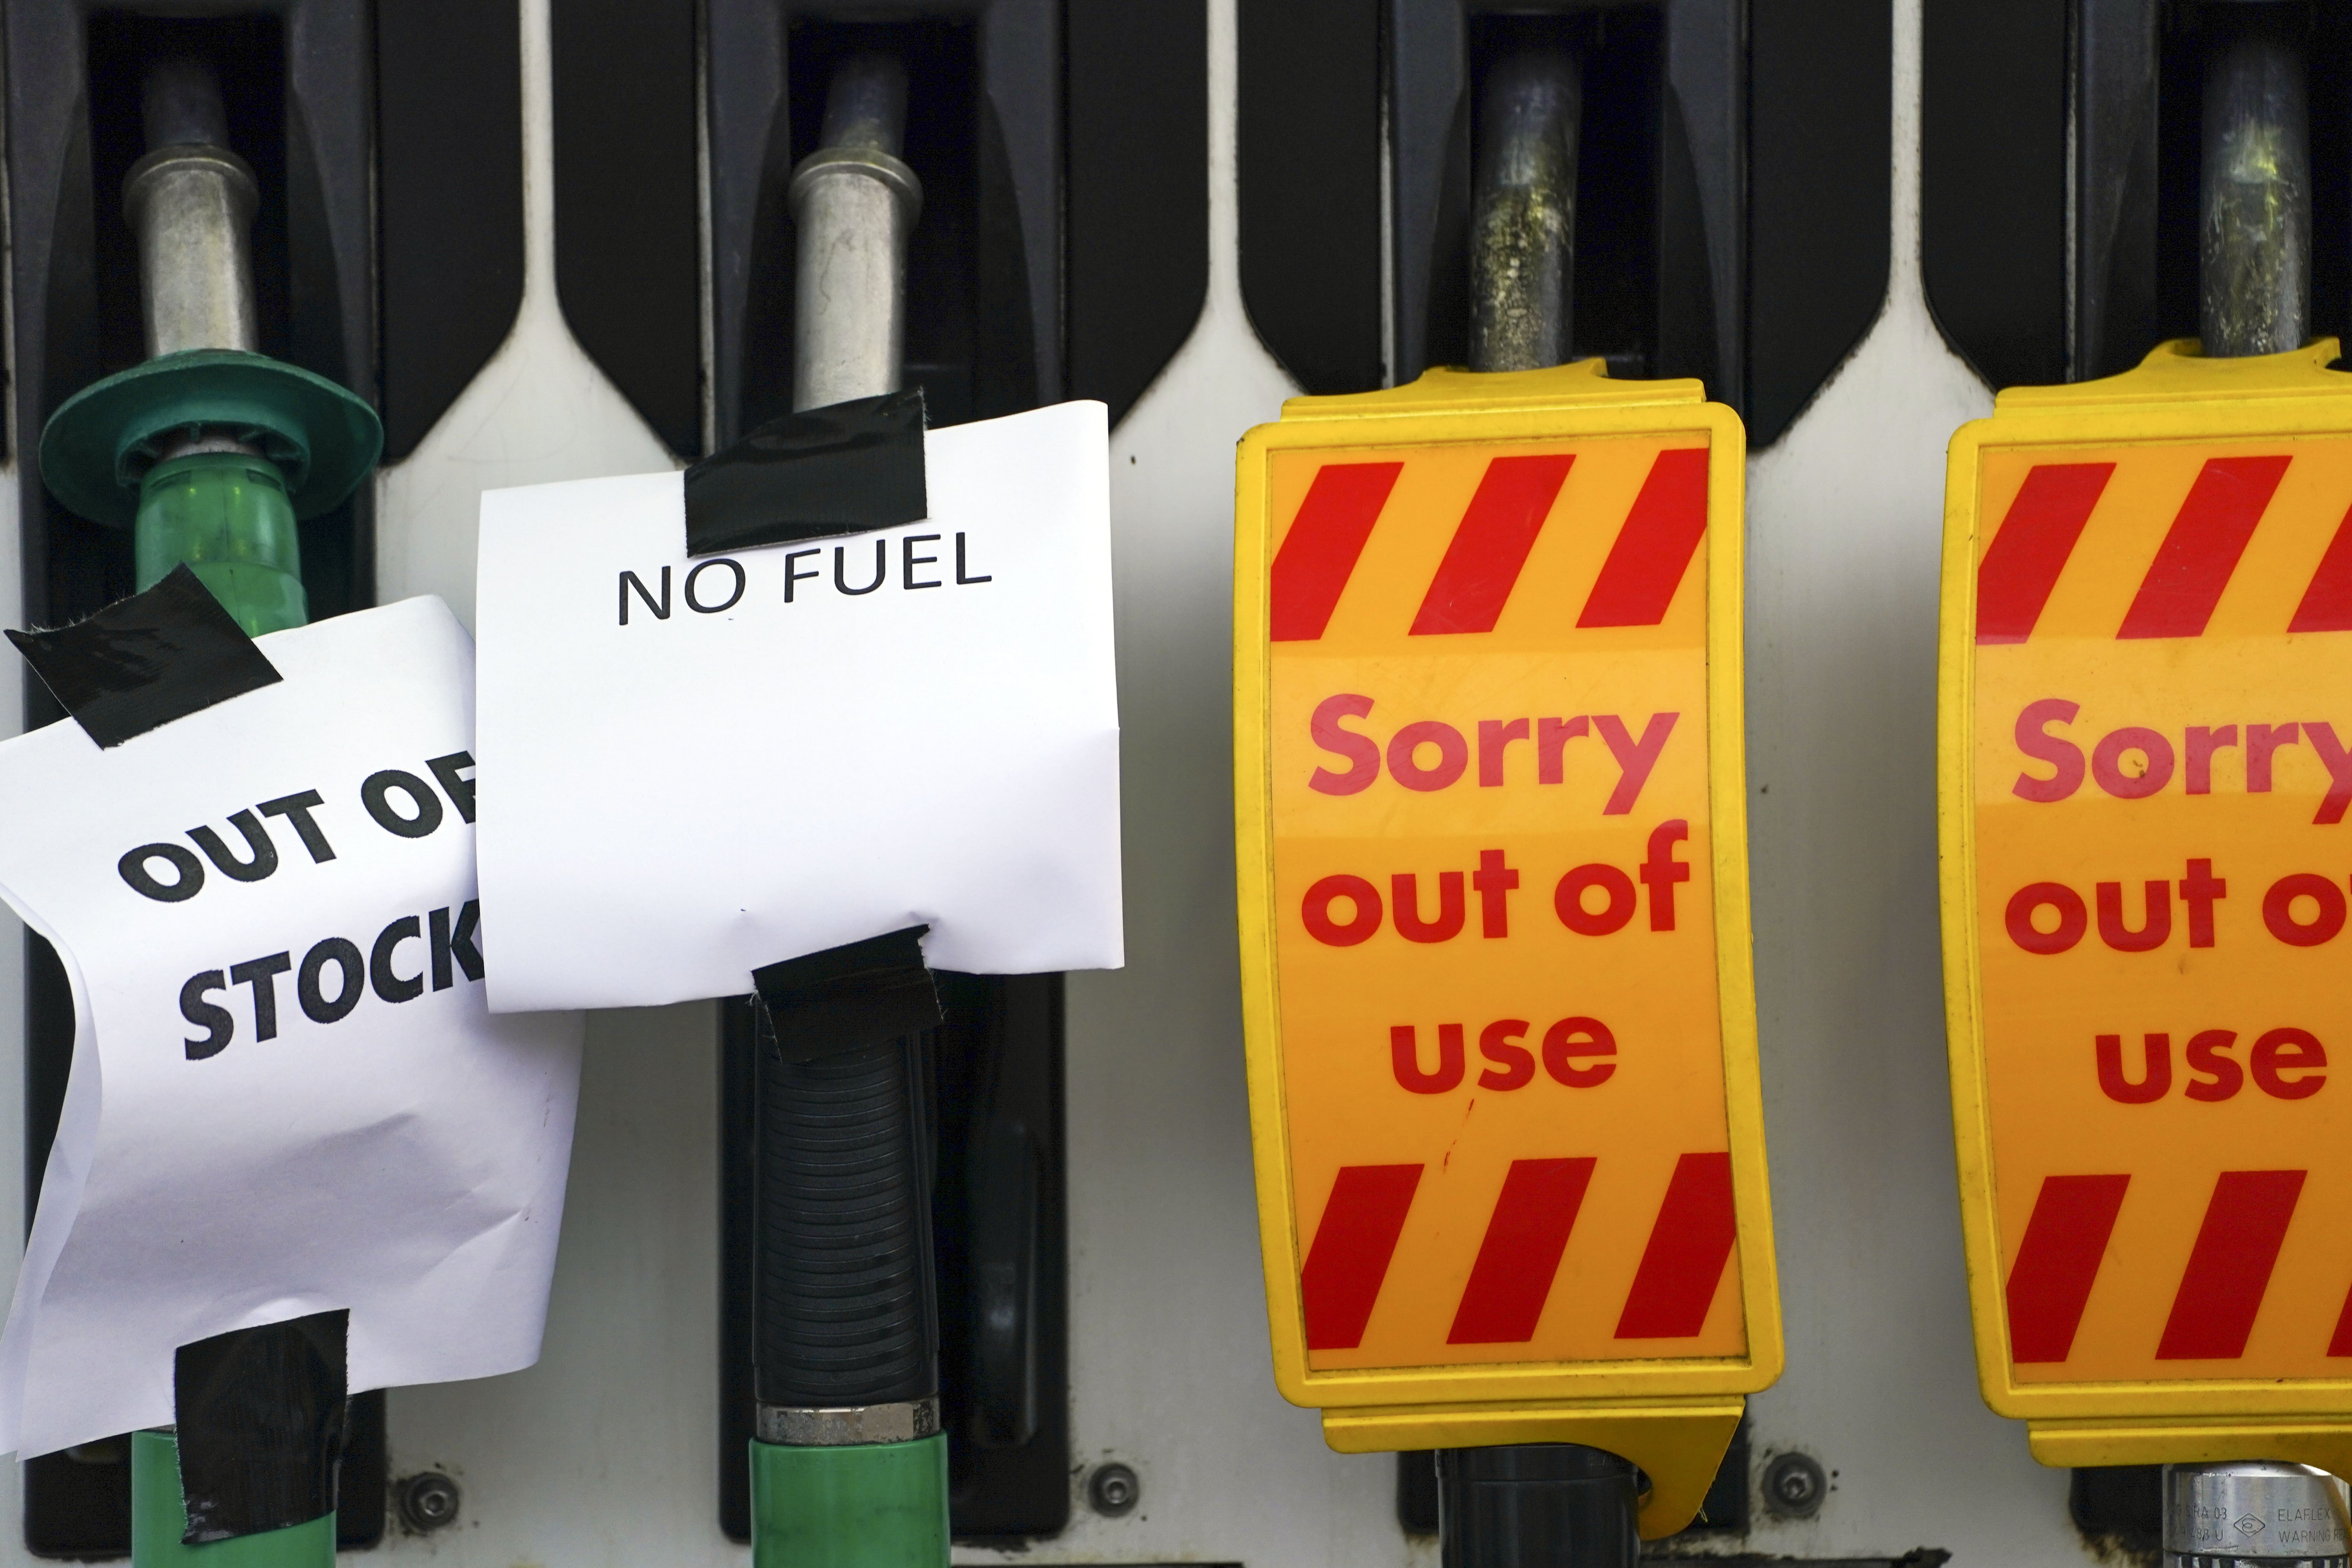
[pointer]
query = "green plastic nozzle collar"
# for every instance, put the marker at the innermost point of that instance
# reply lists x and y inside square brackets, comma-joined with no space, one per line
[323,438]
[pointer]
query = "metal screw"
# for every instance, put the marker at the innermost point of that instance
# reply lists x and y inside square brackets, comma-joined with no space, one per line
[1113,1491]
[1795,1486]
[427,1500]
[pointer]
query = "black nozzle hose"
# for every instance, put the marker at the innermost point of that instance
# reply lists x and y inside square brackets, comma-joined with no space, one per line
[1537,1505]
[847,1313]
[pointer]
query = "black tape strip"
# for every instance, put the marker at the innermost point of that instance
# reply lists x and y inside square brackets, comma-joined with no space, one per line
[849,469]
[260,1414]
[143,661]
[864,993]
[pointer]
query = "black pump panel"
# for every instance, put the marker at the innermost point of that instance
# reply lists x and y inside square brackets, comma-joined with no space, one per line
[2010,88]
[1732,198]
[387,248]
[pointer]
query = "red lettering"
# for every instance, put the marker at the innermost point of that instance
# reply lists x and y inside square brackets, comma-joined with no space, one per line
[2156,1071]
[2107,763]
[1494,883]
[2203,744]
[2205,1050]
[1363,753]
[1361,923]
[1661,871]
[2155,924]
[2282,1051]
[2198,891]
[1405,897]
[2340,772]
[2285,1064]
[1552,736]
[2064,757]
[1634,758]
[2261,740]
[1519,1063]
[1404,1058]
[1493,736]
[2278,908]
[1568,1053]
[2072,918]
[1453,755]
[1567,900]
[1572,1039]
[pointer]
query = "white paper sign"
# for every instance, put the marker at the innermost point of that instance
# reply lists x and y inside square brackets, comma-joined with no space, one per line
[288,1094]
[692,768]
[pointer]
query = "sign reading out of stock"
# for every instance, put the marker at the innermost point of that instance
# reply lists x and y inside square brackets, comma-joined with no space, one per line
[2147,769]
[1494,894]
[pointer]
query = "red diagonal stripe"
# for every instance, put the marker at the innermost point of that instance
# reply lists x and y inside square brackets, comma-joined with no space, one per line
[2022,563]
[2328,603]
[1688,1246]
[1521,1252]
[1482,563]
[2341,1343]
[2229,1266]
[2049,1283]
[1653,548]
[2185,581]
[1318,553]
[1350,1254]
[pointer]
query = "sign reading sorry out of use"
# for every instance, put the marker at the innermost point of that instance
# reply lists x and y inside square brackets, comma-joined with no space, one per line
[1494,898]
[2146,765]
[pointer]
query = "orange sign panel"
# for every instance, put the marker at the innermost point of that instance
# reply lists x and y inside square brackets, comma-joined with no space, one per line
[1495,904]
[2148,766]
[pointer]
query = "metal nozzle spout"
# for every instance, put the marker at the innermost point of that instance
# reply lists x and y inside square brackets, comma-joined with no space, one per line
[854,203]
[190,202]
[1523,217]
[2255,221]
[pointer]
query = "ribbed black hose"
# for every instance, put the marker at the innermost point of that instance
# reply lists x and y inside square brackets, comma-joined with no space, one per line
[1537,1505]
[847,1309]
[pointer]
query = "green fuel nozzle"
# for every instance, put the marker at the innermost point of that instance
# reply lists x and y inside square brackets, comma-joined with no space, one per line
[210,452]
[226,514]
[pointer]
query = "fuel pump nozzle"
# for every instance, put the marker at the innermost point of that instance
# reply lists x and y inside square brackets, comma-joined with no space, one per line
[1530,1505]
[211,451]
[2254,297]
[849,1465]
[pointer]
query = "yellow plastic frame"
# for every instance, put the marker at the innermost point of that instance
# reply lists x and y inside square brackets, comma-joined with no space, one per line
[2174,395]
[1444,408]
